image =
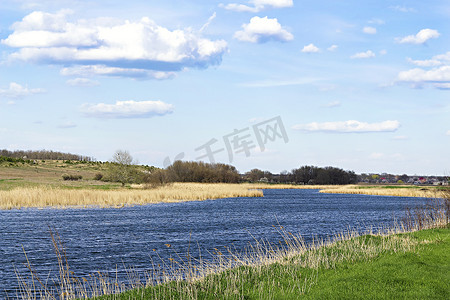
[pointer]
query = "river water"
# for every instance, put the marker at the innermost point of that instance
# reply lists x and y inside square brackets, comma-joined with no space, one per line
[108,239]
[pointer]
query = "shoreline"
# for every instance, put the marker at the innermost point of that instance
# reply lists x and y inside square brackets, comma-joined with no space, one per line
[44,196]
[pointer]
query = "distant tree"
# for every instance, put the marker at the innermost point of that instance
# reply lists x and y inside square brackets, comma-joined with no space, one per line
[191,171]
[327,175]
[404,178]
[44,154]
[374,178]
[122,157]
[284,176]
[305,174]
[155,178]
[254,175]
[121,168]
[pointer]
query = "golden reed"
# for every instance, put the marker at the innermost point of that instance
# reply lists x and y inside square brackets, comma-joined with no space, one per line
[399,192]
[176,192]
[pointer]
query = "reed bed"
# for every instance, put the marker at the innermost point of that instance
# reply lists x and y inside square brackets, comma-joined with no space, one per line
[225,274]
[399,192]
[177,192]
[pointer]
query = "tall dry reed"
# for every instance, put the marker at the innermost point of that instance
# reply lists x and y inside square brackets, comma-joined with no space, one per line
[399,192]
[176,192]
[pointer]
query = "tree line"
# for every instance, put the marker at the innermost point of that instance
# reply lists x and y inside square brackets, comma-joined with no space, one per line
[44,154]
[122,169]
[304,175]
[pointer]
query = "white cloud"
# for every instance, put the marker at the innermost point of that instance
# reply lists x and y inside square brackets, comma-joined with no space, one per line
[444,58]
[256,120]
[82,82]
[367,54]
[425,63]
[332,48]
[310,49]
[376,21]
[210,19]
[442,86]
[333,104]
[127,109]
[434,71]
[113,71]
[327,87]
[376,155]
[126,45]
[400,137]
[369,30]
[258,5]
[420,38]
[448,132]
[280,82]
[261,30]
[67,125]
[403,8]
[437,60]
[441,74]
[16,91]
[350,126]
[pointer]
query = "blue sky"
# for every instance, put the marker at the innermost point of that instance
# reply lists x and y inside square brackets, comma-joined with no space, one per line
[360,85]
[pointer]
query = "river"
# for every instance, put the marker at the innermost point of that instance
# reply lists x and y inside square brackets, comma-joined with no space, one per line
[99,239]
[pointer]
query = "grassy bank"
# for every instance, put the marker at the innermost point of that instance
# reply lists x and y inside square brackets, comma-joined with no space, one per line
[401,266]
[49,173]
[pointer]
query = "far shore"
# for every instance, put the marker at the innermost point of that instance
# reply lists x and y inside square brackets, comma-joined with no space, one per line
[44,196]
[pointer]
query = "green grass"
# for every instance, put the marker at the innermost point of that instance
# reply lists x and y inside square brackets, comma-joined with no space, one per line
[392,187]
[424,274]
[50,172]
[405,266]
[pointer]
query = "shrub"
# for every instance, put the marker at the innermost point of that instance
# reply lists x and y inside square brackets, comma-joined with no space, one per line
[72,177]
[98,176]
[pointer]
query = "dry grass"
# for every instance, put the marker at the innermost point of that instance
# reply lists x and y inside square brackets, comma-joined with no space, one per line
[177,192]
[380,191]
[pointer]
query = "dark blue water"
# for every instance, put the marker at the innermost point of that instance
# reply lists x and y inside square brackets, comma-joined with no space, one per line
[106,239]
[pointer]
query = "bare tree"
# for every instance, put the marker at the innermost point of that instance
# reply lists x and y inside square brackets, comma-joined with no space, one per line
[122,169]
[122,157]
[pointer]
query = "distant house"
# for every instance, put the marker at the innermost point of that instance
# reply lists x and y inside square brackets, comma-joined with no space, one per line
[264,179]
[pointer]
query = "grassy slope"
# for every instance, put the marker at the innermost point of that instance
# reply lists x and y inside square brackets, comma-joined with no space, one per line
[49,172]
[420,274]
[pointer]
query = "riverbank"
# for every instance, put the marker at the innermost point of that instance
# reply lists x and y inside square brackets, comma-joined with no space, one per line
[91,195]
[398,266]
[389,190]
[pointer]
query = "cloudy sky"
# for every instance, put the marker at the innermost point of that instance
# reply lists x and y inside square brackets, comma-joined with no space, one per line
[269,84]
